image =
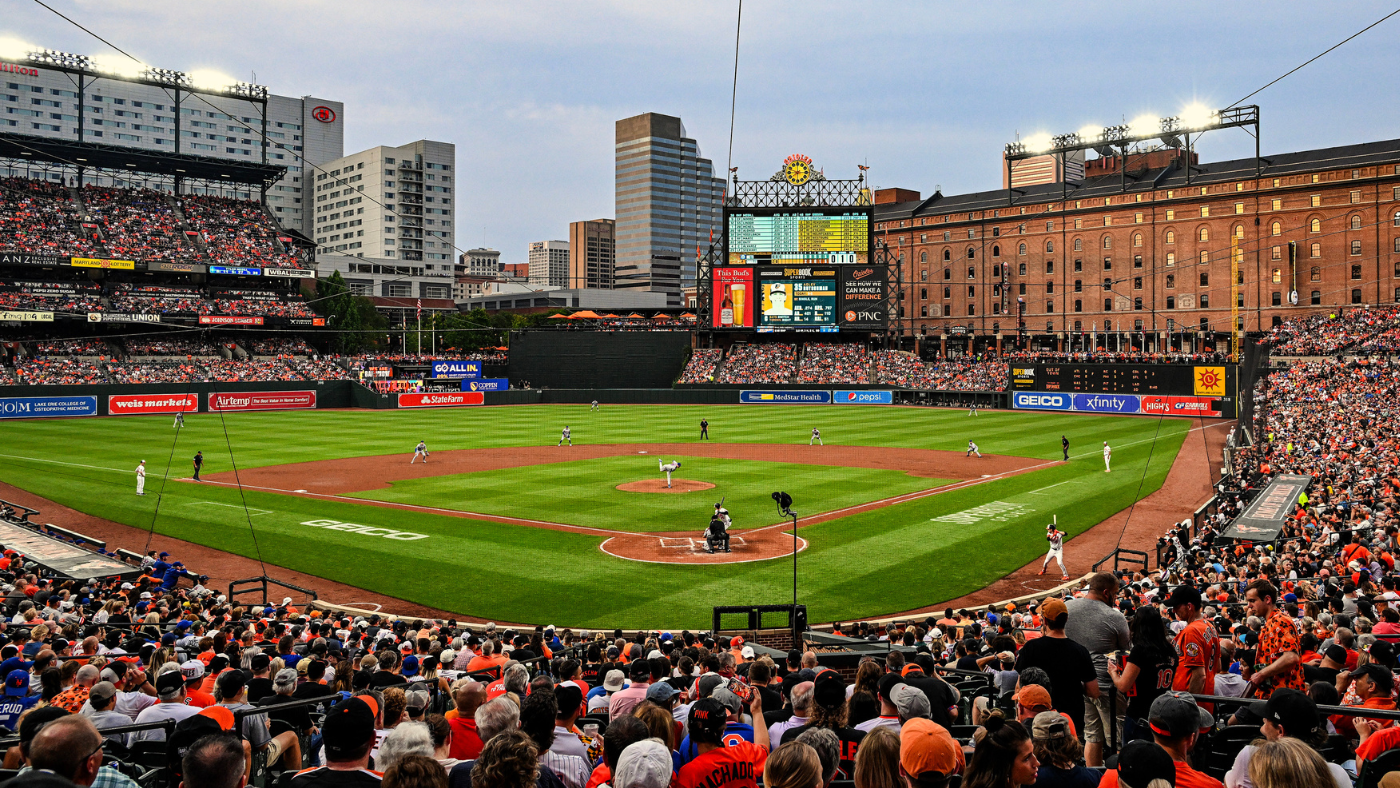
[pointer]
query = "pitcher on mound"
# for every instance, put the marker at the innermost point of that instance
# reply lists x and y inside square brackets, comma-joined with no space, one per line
[667,468]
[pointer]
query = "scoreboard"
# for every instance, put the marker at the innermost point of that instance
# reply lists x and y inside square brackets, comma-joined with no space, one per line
[1154,389]
[799,235]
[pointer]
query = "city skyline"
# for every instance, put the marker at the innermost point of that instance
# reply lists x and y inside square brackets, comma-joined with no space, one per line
[530,98]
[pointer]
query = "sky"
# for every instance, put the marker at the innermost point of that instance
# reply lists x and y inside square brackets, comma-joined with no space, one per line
[924,93]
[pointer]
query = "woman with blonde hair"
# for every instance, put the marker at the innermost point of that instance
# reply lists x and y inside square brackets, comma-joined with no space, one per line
[877,760]
[659,721]
[793,765]
[1288,763]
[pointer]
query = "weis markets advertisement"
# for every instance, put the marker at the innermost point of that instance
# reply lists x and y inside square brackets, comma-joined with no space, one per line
[262,400]
[144,404]
[443,400]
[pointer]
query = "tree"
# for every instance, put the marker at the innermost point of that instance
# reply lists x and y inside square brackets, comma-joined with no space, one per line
[358,326]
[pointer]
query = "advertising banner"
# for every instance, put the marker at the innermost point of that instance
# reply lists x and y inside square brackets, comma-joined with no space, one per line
[230,269]
[1180,406]
[262,400]
[179,268]
[55,288]
[306,321]
[485,384]
[142,404]
[1040,400]
[94,262]
[796,298]
[863,297]
[1263,519]
[230,320]
[27,316]
[863,397]
[445,400]
[462,368]
[289,273]
[1209,381]
[46,407]
[25,258]
[732,298]
[1108,403]
[784,397]
[106,317]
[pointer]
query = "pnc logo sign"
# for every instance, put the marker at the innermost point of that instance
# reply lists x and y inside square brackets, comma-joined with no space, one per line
[324,114]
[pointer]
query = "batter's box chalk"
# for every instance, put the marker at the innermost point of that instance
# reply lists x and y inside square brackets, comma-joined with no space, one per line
[676,543]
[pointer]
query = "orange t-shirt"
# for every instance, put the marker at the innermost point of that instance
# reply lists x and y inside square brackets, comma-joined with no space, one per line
[1186,777]
[1196,647]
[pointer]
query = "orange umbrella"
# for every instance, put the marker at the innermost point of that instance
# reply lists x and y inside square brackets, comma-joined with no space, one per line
[584,315]
[687,316]
[551,317]
[634,314]
[611,315]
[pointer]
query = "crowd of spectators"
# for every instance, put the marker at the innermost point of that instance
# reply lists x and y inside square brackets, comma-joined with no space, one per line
[261,306]
[158,300]
[898,368]
[700,368]
[20,298]
[834,363]
[72,347]
[972,373]
[237,232]
[1329,333]
[171,346]
[58,371]
[136,224]
[279,346]
[40,217]
[196,369]
[766,363]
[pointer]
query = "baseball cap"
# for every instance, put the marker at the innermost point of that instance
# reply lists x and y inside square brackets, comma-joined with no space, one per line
[169,681]
[1034,696]
[220,715]
[1291,710]
[410,666]
[911,702]
[260,662]
[613,681]
[1176,714]
[348,727]
[1052,609]
[708,683]
[708,714]
[17,682]
[1141,762]
[1184,595]
[1336,653]
[736,642]
[731,701]
[104,690]
[569,697]
[887,684]
[231,682]
[925,746]
[646,762]
[830,690]
[640,670]
[746,652]
[192,670]
[1049,725]
[661,692]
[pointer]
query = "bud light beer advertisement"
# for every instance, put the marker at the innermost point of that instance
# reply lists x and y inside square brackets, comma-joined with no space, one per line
[733,298]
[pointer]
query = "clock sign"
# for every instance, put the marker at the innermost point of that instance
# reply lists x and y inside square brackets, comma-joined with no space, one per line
[797,169]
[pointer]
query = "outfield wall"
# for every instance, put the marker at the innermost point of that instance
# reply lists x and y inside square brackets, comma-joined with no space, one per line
[598,359]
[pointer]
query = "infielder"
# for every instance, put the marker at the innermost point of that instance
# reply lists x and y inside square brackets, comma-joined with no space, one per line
[972,449]
[1056,538]
[421,450]
[1107,457]
[141,478]
[667,467]
[565,436]
[972,410]
[816,436]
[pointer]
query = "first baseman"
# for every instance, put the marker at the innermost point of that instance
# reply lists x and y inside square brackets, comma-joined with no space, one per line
[141,478]
[565,436]
[421,450]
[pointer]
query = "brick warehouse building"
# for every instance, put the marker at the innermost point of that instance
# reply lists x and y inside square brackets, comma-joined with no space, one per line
[1129,251]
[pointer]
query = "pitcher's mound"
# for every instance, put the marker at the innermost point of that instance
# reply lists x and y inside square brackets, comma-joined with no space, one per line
[659,486]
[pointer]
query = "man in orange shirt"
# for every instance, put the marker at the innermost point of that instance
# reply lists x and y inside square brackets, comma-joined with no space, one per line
[1176,722]
[718,766]
[1197,646]
[1374,685]
[488,660]
[1276,662]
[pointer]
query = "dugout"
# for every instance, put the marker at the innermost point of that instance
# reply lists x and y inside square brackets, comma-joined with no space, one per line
[597,359]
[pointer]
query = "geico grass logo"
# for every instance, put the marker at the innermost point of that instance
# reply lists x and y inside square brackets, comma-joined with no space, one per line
[365,530]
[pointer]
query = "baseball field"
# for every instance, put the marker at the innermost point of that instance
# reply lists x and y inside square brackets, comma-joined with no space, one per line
[504,524]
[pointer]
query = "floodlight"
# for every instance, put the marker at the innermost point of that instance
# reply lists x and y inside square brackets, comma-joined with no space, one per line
[1198,116]
[14,49]
[205,79]
[1038,143]
[118,65]
[1090,133]
[1145,125]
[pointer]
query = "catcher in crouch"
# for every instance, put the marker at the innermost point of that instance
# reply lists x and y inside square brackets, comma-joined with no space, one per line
[718,531]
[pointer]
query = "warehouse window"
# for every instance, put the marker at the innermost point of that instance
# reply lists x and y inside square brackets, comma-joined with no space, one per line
[1316,297]
[1171,237]
[1079,283]
[1171,302]
[1356,272]
[1078,307]
[1315,274]
[1108,305]
[1171,281]
[1021,249]
[1317,250]
[1315,225]
[1205,280]
[1356,247]
[1049,246]
[1356,296]
[1137,239]
[1275,299]
[1356,221]
[1204,234]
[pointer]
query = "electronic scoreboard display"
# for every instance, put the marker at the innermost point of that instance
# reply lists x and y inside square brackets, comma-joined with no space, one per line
[1154,389]
[796,298]
[814,236]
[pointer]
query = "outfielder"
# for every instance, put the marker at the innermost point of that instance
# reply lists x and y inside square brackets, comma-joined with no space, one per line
[594,406]
[1107,457]
[565,436]
[816,436]
[141,478]
[421,450]
[179,421]
[667,467]
[1056,538]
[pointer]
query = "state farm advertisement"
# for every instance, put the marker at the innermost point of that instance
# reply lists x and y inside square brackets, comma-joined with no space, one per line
[262,400]
[143,404]
[445,399]
[230,320]
[1179,406]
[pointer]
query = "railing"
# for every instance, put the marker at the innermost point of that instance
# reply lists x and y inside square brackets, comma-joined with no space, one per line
[260,585]
[24,519]
[1121,556]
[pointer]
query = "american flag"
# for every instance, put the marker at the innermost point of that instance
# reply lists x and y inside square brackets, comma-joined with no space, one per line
[420,309]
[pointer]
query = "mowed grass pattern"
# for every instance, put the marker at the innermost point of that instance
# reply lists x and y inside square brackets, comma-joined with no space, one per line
[893,559]
[584,492]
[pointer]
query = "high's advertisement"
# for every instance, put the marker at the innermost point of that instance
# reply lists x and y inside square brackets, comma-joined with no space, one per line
[733,297]
[145,404]
[447,399]
[46,407]
[1181,406]
[262,400]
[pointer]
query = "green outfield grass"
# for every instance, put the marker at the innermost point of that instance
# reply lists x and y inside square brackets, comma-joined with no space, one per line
[584,492]
[893,559]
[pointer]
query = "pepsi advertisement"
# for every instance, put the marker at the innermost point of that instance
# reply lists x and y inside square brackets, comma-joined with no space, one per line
[863,397]
[459,368]
[485,384]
